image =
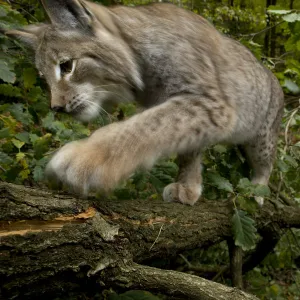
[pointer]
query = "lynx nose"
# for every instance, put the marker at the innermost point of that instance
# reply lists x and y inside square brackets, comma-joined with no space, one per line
[58,108]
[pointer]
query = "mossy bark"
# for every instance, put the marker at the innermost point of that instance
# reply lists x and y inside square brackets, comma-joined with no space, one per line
[54,242]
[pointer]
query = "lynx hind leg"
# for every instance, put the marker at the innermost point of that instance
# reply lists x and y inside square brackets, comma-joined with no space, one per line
[261,152]
[187,189]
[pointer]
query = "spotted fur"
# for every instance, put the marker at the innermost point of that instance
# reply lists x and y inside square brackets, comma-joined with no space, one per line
[199,87]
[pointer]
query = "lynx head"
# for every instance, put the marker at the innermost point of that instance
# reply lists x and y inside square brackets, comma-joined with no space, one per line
[82,57]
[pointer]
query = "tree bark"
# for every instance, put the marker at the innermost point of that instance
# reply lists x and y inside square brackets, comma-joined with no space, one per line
[236,264]
[50,243]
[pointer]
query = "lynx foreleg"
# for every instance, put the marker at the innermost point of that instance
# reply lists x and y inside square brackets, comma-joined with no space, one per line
[188,187]
[182,124]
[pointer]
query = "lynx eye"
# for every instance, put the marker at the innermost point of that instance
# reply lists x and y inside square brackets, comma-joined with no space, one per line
[66,67]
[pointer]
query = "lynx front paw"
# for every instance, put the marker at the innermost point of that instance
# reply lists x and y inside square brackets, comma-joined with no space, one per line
[186,194]
[78,166]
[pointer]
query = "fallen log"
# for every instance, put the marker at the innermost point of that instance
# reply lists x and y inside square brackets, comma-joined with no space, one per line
[52,243]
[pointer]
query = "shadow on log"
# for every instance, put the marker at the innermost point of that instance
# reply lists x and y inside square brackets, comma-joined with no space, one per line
[53,242]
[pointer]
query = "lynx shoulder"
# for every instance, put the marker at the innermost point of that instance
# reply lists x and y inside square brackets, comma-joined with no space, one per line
[199,87]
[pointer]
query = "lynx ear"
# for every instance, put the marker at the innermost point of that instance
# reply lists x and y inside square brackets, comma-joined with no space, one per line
[69,14]
[28,34]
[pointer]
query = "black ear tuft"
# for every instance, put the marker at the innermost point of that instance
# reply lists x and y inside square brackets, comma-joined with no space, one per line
[27,34]
[69,14]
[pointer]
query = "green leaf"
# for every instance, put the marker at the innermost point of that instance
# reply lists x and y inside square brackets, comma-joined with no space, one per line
[247,204]
[34,93]
[23,136]
[220,182]
[4,133]
[5,73]
[3,12]
[10,90]
[247,188]
[5,159]
[19,112]
[52,125]
[283,167]
[38,173]
[33,137]
[243,230]
[291,86]
[220,149]
[41,145]
[279,11]
[29,77]
[291,160]
[17,143]
[291,17]
[261,190]
[20,156]
[24,174]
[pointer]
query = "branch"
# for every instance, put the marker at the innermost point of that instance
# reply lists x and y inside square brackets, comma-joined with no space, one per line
[270,237]
[236,264]
[252,35]
[173,283]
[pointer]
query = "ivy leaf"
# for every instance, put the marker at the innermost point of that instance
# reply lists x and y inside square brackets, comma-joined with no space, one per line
[220,182]
[243,230]
[5,73]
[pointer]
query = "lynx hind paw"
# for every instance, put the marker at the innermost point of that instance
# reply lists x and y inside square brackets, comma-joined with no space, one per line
[186,194]
[74,166]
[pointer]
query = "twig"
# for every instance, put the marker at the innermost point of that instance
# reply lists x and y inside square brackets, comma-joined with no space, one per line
[236,264]
[252,35]
[284,198]
[156,237]
[286,146]
[202,268]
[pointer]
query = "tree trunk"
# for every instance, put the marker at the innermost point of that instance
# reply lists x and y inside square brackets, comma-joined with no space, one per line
[56,243]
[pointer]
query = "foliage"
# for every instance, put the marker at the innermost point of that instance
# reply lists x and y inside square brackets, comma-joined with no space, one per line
[244,230]
[30,133]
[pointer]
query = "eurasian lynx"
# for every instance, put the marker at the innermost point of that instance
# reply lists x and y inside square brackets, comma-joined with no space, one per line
[199,88]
